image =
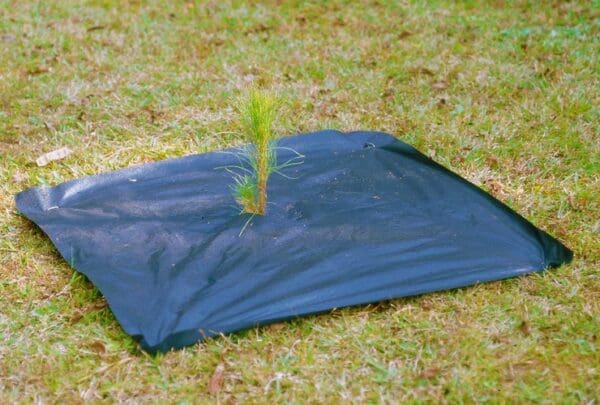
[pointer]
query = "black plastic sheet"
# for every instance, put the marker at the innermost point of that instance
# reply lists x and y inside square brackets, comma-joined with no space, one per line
[366,218]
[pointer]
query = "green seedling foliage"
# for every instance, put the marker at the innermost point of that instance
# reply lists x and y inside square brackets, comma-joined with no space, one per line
[258,159]
[257,114]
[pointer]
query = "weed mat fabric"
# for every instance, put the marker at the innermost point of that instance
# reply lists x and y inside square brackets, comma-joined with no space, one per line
[365,218]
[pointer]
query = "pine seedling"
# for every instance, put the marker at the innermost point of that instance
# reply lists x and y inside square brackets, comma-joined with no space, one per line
[257,114]
[258,159]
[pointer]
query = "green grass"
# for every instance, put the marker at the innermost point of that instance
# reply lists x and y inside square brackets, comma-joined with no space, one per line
[503,93]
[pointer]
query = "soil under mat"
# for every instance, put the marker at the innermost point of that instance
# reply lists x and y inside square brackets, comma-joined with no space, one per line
[365,218]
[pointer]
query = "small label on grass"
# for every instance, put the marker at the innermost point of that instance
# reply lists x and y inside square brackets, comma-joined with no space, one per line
[57,154]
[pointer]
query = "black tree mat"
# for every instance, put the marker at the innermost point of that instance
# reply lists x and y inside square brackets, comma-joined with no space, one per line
[365,218]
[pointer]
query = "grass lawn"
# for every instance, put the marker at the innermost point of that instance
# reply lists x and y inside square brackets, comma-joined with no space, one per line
[506,96]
